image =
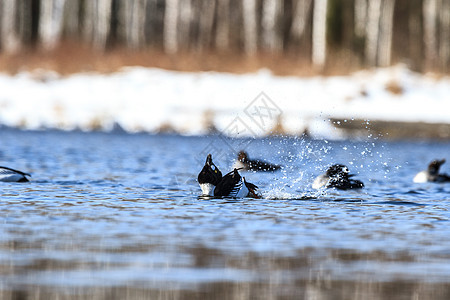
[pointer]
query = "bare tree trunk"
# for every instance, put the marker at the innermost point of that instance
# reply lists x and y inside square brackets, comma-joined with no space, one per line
[300,18]
[415,49]
[372,33]
[24,20]
[51,21]
[152,25]
[185,20]
[271,39]
[250,26]
[132,22]
[319,47]
[223,26]
[385,44]
[137,24]
[170,26]
[71,18]
[102,24]
[444,42]
[235,24]
[10,41]
[206,24]
[360,17]
[429,24]
[88,16]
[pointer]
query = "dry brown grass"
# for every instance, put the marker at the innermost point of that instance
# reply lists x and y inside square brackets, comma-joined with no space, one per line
[72,57]
[394,87]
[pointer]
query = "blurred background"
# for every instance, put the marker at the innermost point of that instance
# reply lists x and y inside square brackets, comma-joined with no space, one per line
[288,36]
[320,48]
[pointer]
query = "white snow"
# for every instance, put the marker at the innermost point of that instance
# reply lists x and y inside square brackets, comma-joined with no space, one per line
[141,99]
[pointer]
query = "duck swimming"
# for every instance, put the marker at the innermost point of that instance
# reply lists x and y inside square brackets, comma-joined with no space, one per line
[337,176]
[11,175]
[431,174]
[244,163]
[233,185]
[209,177]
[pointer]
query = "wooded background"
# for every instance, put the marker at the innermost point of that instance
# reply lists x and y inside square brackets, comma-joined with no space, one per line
[373,32]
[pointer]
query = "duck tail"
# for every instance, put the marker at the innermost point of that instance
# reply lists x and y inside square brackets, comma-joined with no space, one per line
[252,190]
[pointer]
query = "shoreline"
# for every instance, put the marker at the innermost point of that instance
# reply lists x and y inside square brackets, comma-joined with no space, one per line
[394,130]
[381,130]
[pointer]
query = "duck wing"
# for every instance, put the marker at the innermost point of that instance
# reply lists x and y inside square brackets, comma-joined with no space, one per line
[8,174]
[225,187]
[356,184]
[252,190]
[347,184]
[443,178]
[230,185]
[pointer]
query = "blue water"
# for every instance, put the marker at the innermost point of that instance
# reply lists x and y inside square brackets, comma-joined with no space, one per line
[122,210]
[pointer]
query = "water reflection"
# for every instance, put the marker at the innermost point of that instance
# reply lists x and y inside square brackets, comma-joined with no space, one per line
[197,271]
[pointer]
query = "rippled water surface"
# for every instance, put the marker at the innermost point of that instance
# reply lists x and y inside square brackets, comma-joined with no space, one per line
[114,215]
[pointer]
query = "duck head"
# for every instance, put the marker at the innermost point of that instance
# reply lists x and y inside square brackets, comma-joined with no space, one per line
[242,156]
[338,170]
[434,166]
[209,176]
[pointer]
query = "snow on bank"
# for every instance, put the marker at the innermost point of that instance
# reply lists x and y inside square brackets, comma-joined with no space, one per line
[154,100]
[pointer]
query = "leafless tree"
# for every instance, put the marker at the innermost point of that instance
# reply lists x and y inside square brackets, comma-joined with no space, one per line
[386,29]
[51,21]
[223,25]
[24,17]
[372,31]
[206,22]
[429,24]
[10,41]
[185,16]
[362,28]
[360,17]
[71,18]
[271,38]
[444,42]
[319,48]
[300,18]
[170,26]
[135,23]
[250,26]
[103,21]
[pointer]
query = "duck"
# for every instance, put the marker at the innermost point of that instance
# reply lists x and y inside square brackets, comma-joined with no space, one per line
[431,174]
[235,186]
[11,175]
[244,163]
[209,177]
[337,176]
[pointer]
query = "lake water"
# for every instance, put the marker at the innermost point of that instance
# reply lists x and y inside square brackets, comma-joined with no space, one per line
[117,216]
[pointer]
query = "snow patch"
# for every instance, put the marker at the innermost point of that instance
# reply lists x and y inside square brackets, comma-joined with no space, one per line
[154,100]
